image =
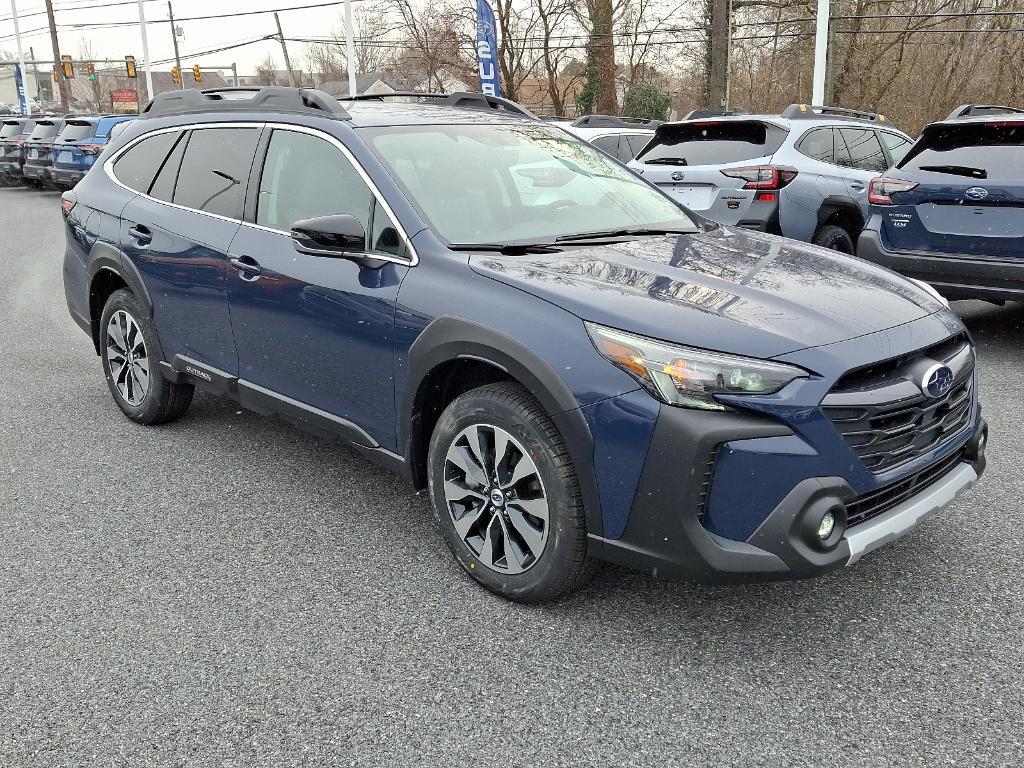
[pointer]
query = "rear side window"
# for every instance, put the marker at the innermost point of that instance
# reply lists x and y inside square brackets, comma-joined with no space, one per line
[975,150]
[897,146]
[7,130]
[863,151]
[167,176]
[137,167]
[215,169]
[636,144]
[609,144]
[818,144]
[77,131]
[713,143]
[44,130]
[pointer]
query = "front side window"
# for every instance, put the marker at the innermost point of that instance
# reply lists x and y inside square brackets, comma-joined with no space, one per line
[305,176]
[215,169]
[136,167]
[501,183]
[863,151]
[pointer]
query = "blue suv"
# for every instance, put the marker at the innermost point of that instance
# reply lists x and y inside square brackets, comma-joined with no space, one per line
[79,144]
[575,366]
[951,211]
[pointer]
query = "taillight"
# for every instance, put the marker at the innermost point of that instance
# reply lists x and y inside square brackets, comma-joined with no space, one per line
[762,176]
[880,189]
[67,202]
[91,149]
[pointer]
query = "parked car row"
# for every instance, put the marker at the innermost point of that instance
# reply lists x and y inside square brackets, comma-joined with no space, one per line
[53,151]
[946,208]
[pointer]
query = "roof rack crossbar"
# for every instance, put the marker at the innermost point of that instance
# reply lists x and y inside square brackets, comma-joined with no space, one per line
[971,110]
[811,111]
[463,99]
[613,121]
[260,98]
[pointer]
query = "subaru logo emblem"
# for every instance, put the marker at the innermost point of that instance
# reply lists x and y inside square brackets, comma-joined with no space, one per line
[677,175]
[937,380]
[976,193]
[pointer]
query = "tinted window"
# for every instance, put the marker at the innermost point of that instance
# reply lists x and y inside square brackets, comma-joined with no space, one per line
[77,131]
[862,150]
[384,237]
[636,144]
[609,144]
[976,150]
[290,192]
[28,127]
[137,167]
[9,129]
[818,144]
[167,176]
[712,143]
[215,169]
[44,130]
[897,146]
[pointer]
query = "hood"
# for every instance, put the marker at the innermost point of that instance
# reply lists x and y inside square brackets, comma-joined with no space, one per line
[725,289]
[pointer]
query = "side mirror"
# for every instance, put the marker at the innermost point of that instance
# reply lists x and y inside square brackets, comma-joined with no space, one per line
[341,235]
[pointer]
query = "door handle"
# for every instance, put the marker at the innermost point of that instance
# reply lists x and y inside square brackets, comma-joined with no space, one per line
[141,234]
[246,265]
[856,186]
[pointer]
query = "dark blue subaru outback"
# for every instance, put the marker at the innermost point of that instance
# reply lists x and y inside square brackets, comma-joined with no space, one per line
[577,367]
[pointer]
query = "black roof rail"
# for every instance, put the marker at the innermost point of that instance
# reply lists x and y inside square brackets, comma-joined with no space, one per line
[462,99]
[973,110]
[273,98]
[812,111]
[704,114]
[613,121]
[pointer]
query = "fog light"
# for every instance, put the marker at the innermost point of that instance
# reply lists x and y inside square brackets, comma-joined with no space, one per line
[827,525]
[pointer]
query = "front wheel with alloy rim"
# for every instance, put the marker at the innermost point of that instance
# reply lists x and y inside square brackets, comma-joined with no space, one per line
[131,356]
[506,497]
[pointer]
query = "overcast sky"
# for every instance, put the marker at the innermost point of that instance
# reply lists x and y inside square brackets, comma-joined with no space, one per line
[200,35]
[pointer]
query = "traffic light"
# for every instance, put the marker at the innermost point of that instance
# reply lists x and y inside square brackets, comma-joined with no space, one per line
[129,63]
[196,73]
[90,70]
[176,75]
[68,67]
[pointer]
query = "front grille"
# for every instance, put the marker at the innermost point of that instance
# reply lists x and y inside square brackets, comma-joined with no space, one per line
[862,508]
[884,416]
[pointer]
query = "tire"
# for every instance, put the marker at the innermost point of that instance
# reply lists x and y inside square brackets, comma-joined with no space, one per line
[503,542]
[834,237]
[159,400]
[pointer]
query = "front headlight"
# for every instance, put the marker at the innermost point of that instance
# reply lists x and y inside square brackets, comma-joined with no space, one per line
[686,376]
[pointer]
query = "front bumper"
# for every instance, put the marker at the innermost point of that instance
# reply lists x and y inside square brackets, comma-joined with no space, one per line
[666,533]
[955,277]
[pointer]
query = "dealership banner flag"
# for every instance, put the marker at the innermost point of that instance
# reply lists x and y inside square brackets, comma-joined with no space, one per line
[487,49]
[19,84]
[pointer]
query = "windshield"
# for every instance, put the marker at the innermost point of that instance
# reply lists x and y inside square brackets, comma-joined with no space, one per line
[712,143]
[506,183]
[974,150]
[10,129]
[77,131]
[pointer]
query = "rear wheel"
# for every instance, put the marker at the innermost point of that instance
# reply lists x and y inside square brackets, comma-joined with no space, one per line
[834,237]
[505,495]
[130,351]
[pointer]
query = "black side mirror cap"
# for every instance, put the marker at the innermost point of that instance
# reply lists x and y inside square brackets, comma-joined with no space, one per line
[339,236]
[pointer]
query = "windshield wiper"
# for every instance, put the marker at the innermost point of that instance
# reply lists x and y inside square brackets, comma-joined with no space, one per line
[957,170]
[508,249]
[625,232]
[666,161]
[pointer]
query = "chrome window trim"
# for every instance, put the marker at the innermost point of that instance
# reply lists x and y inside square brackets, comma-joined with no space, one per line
[108,168]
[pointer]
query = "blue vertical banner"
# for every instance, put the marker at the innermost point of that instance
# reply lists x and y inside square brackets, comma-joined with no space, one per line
[19,84]
[487,49]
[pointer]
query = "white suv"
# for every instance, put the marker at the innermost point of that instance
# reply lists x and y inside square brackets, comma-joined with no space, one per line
[620,137]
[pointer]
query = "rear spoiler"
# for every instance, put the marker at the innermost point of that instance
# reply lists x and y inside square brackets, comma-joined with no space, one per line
[974,110]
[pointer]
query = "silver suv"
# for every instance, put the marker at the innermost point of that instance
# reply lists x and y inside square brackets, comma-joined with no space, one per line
[803,174]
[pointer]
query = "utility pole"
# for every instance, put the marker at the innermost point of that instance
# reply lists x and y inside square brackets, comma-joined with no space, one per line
[284,47]
[174,37]
[234,74]
[62,83]
[719,74]
[820,52]
[145,54]
[350,49]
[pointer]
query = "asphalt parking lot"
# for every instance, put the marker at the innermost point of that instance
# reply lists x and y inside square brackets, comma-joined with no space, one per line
[228,591]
